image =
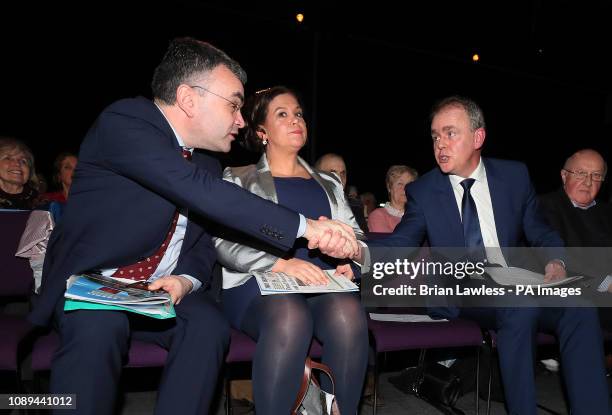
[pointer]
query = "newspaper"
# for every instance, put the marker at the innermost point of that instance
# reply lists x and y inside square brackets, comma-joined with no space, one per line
[520,276]
[89,291]
[280,283]
[405,318]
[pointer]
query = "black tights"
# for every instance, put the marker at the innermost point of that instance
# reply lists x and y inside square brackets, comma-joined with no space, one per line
[283,326]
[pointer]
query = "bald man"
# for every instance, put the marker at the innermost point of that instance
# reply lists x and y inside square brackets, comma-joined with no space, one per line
[581,219]
[573,210]
[333,163]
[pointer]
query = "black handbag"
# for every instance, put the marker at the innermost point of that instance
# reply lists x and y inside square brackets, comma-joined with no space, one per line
[440,384]
[435,383]
[311,399]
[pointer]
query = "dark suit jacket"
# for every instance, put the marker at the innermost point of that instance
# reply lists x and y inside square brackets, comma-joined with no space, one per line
[129,181]
[432,212]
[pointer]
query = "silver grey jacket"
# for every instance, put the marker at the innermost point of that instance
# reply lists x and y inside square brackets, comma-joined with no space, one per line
[240,260]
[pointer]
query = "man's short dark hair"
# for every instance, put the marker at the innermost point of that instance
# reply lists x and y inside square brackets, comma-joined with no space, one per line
[185,59]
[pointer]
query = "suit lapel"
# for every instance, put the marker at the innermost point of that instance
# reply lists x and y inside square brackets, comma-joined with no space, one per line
[499,200]
[265,180]
[327,186]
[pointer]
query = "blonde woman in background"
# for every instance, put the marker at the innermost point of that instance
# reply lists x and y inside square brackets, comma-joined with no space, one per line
[386,218]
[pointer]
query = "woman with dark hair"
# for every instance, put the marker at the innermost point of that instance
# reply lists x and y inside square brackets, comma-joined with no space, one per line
[283,325]
[63,169]
[18,187]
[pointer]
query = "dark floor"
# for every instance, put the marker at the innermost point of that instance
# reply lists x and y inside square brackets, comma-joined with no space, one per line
[395,402]
[141,399]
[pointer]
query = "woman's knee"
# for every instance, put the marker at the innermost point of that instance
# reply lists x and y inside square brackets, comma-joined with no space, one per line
[287,319]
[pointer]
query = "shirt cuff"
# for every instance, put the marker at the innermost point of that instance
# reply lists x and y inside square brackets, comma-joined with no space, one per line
[196,283]
[302,228]
[365,258]
[605,284]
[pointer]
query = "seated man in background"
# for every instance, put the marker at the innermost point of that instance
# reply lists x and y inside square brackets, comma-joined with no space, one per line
[580,219]
[333,163]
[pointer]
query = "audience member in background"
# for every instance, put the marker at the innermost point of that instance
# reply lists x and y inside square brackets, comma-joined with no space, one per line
[369,203]
[283,325]
[41,184]
[18,182]
[581,219]
[63,169]
[334,163]
[386,218]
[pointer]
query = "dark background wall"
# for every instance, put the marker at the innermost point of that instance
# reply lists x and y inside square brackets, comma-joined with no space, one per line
[368,74]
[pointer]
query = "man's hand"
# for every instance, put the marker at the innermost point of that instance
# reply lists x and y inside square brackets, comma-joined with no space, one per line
[175,285]
[554,271]
[331,237]
[346,271]
[304,271]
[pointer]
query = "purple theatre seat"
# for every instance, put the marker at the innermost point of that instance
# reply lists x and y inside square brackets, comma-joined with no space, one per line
[389,336]
[141,354]
[12,330]
[16,282]
[242,350]
[15,272]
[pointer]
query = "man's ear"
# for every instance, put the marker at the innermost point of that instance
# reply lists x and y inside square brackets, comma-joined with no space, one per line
[479,138]
[563,176]
[185,99]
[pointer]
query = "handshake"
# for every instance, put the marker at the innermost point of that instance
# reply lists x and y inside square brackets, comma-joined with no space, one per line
[332,238]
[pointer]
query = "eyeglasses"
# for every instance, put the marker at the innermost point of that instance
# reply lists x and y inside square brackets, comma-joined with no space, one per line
[235,107]
[582,175]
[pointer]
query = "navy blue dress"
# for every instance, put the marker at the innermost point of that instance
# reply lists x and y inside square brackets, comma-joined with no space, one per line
[301,195]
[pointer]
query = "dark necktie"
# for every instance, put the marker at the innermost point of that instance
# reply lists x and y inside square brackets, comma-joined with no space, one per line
[471,224]
[142,270]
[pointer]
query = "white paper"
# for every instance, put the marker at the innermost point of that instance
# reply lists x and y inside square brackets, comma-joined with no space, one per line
[521,276]
[405,318]
[281,283]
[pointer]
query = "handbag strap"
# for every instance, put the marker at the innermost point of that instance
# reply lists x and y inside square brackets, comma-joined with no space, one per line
[307,376]
[325,369]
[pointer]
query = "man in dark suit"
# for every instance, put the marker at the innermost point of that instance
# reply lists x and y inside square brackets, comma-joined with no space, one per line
[484,204]
[131,215]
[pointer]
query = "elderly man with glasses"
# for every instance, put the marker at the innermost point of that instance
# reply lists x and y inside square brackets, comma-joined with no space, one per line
[581,219]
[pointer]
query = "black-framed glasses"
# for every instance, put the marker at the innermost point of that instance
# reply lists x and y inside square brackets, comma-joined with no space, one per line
[235,107]
[582,175]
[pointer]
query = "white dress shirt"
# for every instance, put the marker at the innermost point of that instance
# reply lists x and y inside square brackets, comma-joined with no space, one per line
[486,218]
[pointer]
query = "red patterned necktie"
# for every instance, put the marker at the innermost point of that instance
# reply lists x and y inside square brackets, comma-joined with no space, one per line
[142,270]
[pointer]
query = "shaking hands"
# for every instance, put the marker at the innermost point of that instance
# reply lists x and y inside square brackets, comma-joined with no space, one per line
[332,238]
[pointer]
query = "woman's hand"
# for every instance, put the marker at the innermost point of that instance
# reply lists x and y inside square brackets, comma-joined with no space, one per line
[304,271]
[346,271]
